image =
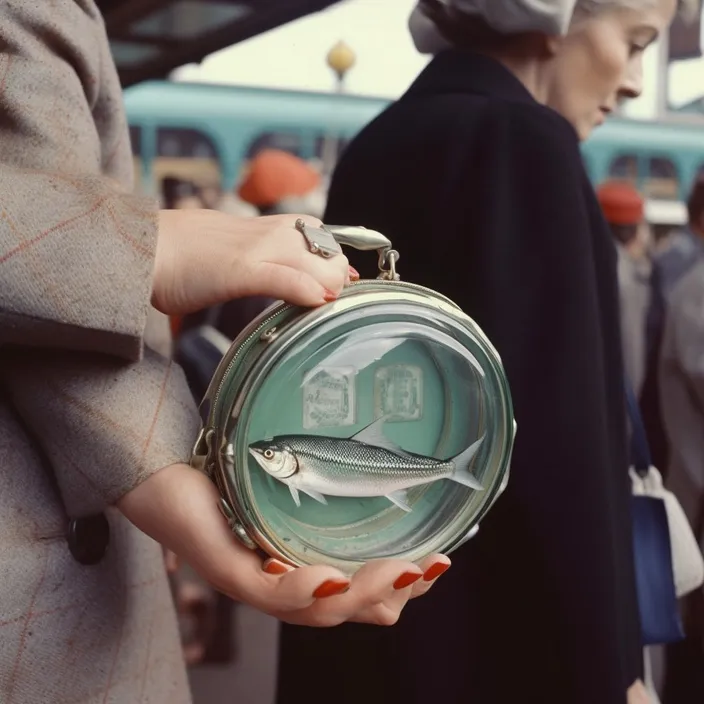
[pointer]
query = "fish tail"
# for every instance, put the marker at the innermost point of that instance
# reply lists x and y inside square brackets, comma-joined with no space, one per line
[462,463]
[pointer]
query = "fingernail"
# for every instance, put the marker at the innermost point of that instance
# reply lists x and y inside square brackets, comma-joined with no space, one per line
[354,274]
[406,579]
[274,567]
[331,587]
[329,296]
[434,571]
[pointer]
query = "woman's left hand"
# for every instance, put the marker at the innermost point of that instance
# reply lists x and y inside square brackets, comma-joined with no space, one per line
[178,507]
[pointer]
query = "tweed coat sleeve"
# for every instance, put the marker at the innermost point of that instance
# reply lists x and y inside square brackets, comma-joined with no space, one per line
[76,247]
[76,259]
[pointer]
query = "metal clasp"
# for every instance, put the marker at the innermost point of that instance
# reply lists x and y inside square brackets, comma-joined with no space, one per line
[202,455]
[365,240]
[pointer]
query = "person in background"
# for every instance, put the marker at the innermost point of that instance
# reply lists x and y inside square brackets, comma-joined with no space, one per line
[211,195]
[623,209]
[231,203]
[180,194]
[685,247]
[275,179]
[681,383]
[671,261]
[476,176]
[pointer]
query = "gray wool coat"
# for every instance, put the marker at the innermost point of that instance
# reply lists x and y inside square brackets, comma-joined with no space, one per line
[87,411]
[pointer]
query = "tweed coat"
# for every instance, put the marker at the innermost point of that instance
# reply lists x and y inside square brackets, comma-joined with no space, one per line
[87,411]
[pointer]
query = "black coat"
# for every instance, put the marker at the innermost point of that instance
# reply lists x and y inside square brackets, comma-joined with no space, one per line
[484,193]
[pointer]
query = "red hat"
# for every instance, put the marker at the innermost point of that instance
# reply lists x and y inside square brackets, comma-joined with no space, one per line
[273,175]
[621,203]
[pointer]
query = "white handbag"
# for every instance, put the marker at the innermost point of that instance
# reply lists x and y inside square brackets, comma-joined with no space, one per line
[687,560]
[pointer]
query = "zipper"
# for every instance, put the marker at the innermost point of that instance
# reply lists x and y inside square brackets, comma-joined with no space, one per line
[255,333]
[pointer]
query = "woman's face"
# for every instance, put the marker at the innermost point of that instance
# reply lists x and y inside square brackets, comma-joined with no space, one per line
[599,62]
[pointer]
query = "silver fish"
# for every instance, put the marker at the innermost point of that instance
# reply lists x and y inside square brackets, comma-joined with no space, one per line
[365,465]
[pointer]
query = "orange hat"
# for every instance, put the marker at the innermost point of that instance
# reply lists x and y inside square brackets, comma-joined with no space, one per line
[273,175]
[620,202]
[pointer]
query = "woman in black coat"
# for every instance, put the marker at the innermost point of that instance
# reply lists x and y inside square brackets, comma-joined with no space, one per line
[475,175]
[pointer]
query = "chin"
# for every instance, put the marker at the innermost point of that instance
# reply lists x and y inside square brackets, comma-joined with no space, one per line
[585,129]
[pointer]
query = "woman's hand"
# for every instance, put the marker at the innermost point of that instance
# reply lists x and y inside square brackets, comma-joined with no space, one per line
[638,694]
[178,507]
[205,257]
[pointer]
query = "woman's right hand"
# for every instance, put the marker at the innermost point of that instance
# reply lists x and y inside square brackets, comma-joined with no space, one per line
[205,257]
[177,506]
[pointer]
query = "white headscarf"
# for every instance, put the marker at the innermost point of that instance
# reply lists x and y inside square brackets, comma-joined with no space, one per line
[505,16]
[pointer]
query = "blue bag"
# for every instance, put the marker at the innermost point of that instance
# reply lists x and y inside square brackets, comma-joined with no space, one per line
[660,617]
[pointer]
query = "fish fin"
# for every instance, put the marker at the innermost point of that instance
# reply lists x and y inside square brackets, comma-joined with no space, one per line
[373,434]
[400,498]
[294,495]
[462,462]
[315,495]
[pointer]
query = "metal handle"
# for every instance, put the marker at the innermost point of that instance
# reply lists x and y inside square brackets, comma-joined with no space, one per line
[359,237]
[326,240]
[365,240]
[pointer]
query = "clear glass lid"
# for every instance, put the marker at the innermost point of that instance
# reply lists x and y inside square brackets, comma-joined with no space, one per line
[385,430]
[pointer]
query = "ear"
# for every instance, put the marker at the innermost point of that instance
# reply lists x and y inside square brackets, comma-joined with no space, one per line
[540,45]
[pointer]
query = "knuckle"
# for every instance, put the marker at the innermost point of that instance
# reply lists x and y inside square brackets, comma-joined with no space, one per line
[416,594]
[387,617]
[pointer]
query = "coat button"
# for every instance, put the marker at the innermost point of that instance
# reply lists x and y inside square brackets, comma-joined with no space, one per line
[88,538]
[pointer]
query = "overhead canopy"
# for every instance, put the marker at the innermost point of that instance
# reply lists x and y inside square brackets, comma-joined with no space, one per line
[150,38]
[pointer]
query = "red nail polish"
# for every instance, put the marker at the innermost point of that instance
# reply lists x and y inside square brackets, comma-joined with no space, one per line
[354,274]
[274,567]
[434,571]
[329,296]
[406,579]
[331,587]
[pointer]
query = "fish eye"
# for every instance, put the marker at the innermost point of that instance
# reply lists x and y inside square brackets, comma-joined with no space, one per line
[268,454]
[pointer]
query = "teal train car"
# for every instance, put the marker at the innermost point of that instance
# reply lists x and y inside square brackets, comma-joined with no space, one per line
[209,132]
[661,158]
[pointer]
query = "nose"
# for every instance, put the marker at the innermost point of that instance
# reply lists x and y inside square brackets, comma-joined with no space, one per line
[632,84]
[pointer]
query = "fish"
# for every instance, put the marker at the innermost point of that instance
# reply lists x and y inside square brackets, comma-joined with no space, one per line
[365,465]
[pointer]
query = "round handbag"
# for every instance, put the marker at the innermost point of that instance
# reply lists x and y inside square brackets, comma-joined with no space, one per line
[378,425]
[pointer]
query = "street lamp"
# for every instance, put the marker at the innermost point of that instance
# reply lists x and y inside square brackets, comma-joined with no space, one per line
[341,58]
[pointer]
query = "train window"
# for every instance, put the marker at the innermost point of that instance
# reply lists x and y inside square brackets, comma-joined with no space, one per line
[188,154]
[285,141]
[184,143]
[136,140]
[662,181]
[625,167]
